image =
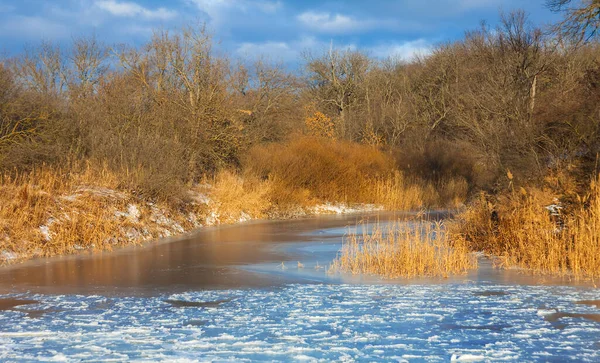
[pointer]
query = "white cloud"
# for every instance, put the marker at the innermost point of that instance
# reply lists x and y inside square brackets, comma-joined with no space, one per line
[406,50]
[217,9]
[33,27]
[268,7]
[286,51]
[338,23]
[131,9]
[276,50]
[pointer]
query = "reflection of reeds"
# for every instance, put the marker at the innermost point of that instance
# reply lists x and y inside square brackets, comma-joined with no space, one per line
[520,231]
[403,250]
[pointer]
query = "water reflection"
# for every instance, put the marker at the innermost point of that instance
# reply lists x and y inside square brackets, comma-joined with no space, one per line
[206,260]
[250,255]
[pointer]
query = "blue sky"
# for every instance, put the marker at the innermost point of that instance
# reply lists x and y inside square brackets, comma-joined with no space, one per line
[279,29]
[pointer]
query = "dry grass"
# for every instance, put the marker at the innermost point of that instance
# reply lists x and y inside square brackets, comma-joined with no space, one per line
[518,230]
[327,169]
[33,201]
[404,250]
[308,170]
[236,199]
[394,192]
[50,212]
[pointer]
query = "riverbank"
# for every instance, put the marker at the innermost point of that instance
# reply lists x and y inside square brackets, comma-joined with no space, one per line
[227,285]
[53,213]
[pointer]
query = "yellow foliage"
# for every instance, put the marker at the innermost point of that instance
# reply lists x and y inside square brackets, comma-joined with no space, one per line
[318,124]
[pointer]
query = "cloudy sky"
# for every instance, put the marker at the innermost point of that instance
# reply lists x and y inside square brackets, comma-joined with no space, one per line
[280,29]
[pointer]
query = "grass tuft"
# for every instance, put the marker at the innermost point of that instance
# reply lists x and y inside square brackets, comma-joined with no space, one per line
[404,250]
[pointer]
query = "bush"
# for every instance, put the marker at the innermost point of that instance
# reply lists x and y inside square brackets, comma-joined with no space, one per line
[323,169]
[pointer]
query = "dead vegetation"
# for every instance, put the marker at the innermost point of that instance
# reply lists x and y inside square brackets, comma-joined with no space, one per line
[531,229]
[405,250]
[322,169]
[159,123]
[51,211]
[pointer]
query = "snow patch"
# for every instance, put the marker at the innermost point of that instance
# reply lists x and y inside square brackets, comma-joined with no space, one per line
[133,213]
[342,208]
[244,217]
[212,219]
[45,231]
[200,198]
[8,256]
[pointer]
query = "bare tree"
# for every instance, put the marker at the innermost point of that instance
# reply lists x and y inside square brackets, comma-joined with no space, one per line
[336,79]
[42,68]
[268,96]
[582,18]
[88,63]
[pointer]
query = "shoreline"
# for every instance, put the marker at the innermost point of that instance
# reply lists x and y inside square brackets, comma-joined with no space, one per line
[319,210]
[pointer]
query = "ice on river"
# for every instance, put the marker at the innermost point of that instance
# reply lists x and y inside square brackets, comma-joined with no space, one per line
[310,322]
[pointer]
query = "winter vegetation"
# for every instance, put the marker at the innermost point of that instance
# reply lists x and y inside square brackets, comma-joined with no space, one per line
[405,250]
[106,145]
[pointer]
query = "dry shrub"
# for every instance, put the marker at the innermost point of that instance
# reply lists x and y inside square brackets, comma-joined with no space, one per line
[519,230]
[404,250]
[307,169]
[453,192]
[236,199]
[289,202]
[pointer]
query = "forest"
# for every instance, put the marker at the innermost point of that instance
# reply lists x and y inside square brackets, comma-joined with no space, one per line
[502,127]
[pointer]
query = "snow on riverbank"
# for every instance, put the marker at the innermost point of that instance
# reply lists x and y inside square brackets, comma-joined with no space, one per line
[116,218]
[462,322]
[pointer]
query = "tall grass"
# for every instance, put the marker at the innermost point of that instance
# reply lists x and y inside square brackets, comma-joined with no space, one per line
[328,169]
[46,197]
[518,230]
[404,250]
[51,211]
[310,169]
[237,199]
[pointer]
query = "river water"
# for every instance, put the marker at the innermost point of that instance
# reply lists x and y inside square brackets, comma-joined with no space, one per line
[261,291]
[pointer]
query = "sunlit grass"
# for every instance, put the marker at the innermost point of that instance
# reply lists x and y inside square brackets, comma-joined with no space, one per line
[404,250]
[519,231]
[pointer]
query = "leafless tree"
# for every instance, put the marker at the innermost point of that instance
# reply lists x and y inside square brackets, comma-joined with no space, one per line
[88,62]
[42,68]
[335,80]
[581,21]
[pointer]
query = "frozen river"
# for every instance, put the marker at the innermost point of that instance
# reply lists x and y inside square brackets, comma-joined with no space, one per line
[238,293]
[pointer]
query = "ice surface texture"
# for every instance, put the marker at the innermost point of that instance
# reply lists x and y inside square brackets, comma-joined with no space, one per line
[470,322]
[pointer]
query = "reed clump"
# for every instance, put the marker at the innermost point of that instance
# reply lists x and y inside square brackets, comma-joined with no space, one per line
[404,250]
[237,199]
[529,229]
